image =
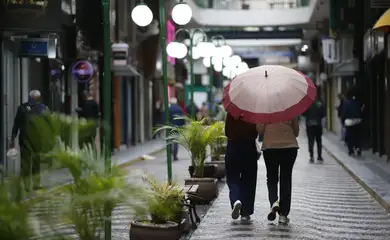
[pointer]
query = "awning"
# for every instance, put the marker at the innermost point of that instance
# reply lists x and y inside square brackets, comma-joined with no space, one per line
[383,22]
[346,68]
[125,71]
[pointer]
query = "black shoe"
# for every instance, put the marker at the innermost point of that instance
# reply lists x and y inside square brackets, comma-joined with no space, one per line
[274,209]
[311,160]
[320,159]
[359,153]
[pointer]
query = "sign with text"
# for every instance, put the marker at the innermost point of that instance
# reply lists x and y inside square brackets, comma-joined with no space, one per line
[33,47]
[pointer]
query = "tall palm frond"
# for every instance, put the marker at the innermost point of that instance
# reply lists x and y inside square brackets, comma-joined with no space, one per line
[195,136]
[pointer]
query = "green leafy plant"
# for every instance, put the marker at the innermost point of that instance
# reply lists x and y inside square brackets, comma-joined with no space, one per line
[15,220]
[164,202]
[94,193]
[195,136]
[219,147]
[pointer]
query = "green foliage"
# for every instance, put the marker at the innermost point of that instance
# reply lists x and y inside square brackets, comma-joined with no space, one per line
[164,202]
[44,131]
[94,193]
[14,211]
[219,147]
[195,136]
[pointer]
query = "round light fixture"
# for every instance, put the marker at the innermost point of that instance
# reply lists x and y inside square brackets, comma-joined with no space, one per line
[176,50]
[206,62]
[195,53]
[207,49]
[234,61]
[142,15]
[216,60]
[218,67]
[243,66]
[181,13]
[226,51]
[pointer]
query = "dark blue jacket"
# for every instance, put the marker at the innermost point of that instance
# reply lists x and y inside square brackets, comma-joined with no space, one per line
[176,111]
[315,113]
[351,109]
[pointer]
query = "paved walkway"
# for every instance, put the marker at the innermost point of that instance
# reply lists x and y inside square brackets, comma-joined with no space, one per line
[370,169]
[327,204]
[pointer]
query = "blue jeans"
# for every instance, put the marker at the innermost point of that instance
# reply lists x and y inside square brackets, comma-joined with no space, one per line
[175,150]
[241,173]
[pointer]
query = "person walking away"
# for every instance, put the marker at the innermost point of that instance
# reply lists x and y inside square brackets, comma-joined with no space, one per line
[352,117]
[241,166]
[189,111]
[175,112]
[280,148]
[89,110]
[339,114]
[314,128]
[30,162]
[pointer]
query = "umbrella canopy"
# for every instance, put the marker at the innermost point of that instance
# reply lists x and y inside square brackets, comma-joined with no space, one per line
[269,94]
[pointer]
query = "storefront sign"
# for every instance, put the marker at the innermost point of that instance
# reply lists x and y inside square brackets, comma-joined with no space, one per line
[119,54]
[26,5]
[83,71]
[331,50]
[33,47]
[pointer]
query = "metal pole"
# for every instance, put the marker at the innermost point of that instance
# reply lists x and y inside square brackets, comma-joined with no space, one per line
[107,103]
[211,84]
[165,82]
[192,83]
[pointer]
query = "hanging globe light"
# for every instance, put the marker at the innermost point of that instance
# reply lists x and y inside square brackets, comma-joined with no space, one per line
[195,53]
[225,51]
[207,49]
[206,62]
[176,50]
[181,13]
[142,15]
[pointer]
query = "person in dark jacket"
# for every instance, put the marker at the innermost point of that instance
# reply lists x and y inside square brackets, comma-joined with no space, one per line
[339,114]
[175,112]
[30,162]
[89,107]
[189,110]
[314,116]
[241,166]
[352,117]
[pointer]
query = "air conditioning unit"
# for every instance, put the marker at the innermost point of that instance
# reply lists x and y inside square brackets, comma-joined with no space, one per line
[331,50]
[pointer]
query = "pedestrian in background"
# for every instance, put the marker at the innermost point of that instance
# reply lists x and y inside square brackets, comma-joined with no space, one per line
[30,161]
[176,115]
[339,114]
[280,149]
[352,118]
[314,116]
[241,166]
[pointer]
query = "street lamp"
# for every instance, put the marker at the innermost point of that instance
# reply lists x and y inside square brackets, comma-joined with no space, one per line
[196,50]
[181,13]
[142,15]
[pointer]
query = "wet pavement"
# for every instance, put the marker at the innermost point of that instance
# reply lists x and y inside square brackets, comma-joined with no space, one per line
[327,204]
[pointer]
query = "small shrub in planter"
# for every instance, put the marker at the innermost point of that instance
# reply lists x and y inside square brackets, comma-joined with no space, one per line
[195,137]
[164,213]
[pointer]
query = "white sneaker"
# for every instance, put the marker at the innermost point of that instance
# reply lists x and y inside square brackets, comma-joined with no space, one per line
[236,209]
[284,220]
[245,219]
[274,209]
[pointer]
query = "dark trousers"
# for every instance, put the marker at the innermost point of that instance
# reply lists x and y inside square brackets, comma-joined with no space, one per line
[280,160]
[175,150]
[241,174]
[30,168]
[354,137]
[314,134]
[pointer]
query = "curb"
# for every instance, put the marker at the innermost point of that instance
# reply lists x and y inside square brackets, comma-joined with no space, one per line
[366,187]
[122,165]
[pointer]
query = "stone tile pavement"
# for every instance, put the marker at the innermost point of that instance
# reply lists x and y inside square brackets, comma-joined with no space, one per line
[327,204]
[370,170]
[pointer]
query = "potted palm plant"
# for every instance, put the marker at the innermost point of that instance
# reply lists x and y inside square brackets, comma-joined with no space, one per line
[195,137]
[94,193]
[164,217]
[217,150]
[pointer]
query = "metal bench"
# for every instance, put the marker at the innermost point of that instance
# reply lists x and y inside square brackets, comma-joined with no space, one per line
[190,197]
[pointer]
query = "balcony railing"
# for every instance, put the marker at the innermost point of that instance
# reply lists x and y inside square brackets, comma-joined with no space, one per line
[251,4]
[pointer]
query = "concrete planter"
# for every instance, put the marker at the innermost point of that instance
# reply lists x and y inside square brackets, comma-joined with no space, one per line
[218,157]
[207,191]
[151,231]
[221,168]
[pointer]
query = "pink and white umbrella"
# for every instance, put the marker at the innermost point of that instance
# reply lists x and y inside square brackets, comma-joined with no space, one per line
[269,94]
